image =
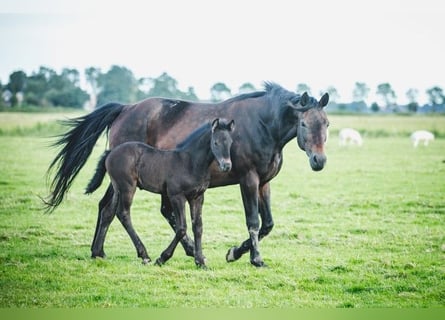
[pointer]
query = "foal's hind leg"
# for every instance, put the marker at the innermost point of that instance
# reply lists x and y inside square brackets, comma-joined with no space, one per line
[124,200]
[105,217]
[167,212]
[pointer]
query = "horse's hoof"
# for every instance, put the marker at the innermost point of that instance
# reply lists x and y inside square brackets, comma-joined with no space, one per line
[230,256]
[259,264]
[146,261]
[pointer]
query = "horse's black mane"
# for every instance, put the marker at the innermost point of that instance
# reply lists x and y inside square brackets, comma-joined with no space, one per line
[274,91]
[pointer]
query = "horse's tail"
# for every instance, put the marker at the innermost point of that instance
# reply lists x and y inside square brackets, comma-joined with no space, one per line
[78,143]
[98,177]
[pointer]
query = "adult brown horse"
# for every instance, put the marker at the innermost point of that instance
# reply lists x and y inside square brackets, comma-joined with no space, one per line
[266,121]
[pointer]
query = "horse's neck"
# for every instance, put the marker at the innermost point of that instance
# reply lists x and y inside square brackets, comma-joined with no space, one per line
[277,124]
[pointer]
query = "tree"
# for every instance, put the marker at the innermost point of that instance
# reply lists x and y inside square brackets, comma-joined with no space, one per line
[219,92]
[302,88]
[92,76]
[163,86]
[16,85]
[167,87]
[246,87]
[64,90]
[360,92]
[436,96]
[37,86]
[118,84]
[385,91]
[333,94]
[412,94]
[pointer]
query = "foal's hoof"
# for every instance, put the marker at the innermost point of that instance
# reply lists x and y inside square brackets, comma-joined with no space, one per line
[146,261]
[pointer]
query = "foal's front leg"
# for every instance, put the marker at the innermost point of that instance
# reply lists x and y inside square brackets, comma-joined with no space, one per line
[196,215]
[178,204]
[169,215]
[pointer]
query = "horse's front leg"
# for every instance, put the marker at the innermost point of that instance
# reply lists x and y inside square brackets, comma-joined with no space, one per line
[178,204]
[196,216]
[249,192]
[167,212]
[267,224]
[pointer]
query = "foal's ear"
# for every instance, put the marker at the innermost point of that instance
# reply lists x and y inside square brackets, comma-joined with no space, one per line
[231,125]
[215,124]
[324,100]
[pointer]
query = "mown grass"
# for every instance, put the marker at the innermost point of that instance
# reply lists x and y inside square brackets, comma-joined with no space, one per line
[367,231]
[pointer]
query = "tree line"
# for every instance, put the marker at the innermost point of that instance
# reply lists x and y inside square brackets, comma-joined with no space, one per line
[47,88]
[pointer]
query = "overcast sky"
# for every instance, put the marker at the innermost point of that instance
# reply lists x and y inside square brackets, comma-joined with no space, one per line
[318,42]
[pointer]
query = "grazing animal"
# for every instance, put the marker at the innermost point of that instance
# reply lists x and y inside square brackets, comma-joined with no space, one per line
[350,136]
[181,174]
[421,136]
[266,121]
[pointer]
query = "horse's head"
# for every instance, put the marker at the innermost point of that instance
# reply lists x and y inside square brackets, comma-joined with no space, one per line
[221,143]
[312,129]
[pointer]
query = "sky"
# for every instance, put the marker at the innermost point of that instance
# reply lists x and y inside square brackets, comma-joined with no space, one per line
[320,43]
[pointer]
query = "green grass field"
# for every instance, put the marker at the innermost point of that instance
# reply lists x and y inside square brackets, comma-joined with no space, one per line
[367,231]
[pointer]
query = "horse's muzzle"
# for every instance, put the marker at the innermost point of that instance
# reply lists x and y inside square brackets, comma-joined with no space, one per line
[317,161]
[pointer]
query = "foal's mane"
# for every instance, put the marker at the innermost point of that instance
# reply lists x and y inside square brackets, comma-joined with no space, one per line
[194,136]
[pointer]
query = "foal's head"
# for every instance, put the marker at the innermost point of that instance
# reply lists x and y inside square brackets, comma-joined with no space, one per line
[221,141]
[312,129]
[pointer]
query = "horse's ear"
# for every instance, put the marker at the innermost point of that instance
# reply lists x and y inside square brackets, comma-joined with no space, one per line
[232,125]
[215,124]
[324,100]
[304,99]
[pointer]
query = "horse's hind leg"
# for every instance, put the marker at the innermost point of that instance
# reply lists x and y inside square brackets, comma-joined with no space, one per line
[167,212]
[104,218]
[123,213]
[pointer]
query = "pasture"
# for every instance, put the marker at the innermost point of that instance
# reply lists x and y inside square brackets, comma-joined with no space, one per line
[367,231]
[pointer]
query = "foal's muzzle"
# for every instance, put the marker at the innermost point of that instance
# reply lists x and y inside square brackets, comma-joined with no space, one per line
[225,165]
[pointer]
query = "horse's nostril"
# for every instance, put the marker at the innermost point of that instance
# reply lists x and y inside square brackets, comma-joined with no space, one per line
[315,159]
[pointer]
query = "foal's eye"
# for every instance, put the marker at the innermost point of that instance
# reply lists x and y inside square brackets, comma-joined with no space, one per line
[303,124]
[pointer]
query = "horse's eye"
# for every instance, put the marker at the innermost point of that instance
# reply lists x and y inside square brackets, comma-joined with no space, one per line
[303,124]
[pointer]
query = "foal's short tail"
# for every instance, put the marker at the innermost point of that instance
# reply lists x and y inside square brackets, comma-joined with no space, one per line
[98,177]
[77,145]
